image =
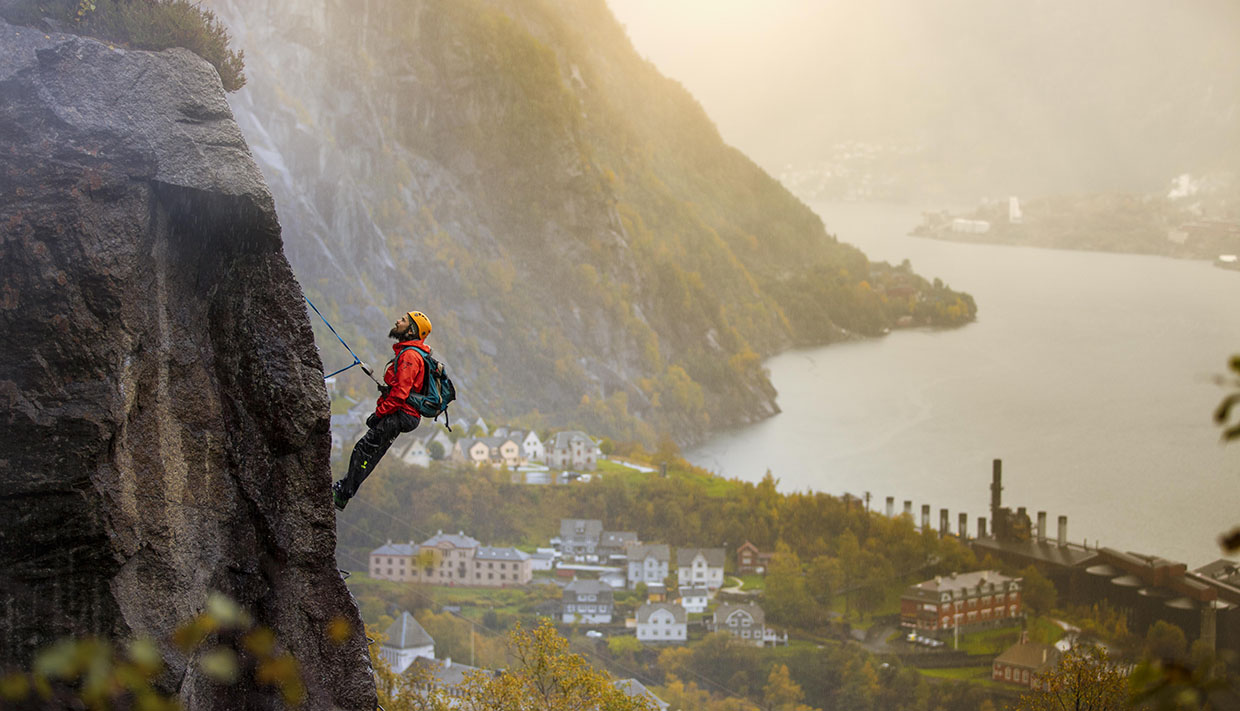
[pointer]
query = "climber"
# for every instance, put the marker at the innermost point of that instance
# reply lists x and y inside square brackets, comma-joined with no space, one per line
[393,414]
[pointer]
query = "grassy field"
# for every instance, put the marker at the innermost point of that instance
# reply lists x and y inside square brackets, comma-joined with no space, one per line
[970,674]
[715,486]
[993,642]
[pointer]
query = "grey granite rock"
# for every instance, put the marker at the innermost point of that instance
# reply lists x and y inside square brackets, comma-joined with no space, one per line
[165,423]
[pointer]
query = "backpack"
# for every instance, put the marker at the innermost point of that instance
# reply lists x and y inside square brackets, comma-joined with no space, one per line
[437,388]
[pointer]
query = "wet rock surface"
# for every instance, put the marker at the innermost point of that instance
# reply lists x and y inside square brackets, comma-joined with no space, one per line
[165,420]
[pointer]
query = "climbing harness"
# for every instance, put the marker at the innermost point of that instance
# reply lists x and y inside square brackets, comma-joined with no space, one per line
[356,361]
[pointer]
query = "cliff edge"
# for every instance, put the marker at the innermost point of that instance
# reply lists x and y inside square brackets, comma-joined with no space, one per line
[166,424]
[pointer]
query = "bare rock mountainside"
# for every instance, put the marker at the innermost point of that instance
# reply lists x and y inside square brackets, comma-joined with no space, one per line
[590,250]
[165,424]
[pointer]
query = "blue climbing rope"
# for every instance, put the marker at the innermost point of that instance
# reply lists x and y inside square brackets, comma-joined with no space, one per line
[356,360]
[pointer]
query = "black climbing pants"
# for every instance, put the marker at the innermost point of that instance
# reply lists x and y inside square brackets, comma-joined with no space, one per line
[373,445]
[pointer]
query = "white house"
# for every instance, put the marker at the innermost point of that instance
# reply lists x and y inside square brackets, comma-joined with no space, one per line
[587,601]
[418,452]
[648,563]
[700,567]
[542,559]
[694,599]
[744,622]
[406,641]
[532,448]
[662,622]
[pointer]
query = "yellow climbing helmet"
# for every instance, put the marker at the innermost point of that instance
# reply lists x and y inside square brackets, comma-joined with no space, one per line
[423,323]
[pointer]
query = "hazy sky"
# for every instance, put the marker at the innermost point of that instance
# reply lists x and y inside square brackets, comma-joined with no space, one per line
[1102,93]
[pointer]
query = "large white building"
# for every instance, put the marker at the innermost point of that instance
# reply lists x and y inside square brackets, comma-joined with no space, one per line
[451,559]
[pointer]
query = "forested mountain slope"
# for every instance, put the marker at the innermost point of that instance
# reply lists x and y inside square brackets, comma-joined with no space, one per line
[590,251]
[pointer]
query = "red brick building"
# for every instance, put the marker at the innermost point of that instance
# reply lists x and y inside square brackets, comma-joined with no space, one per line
[1025,664]
[962,600]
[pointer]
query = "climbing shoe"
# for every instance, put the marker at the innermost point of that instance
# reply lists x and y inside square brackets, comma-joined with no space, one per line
[338,497]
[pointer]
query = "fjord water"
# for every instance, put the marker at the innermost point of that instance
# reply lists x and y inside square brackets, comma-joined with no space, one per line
[1088,374]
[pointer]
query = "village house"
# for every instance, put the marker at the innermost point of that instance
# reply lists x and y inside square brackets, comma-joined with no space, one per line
[649,564]
[613,546]
[962,600]
[420,451]
[410,450]
[532,448]
[694,599]
[750,560]
[406,641]
[1025,663]
[499,451]
[700,567]
[472,450]
[572,450]
[504,451]
[542,559]
[579,538]
[587,601]
[744,622]
[662,622]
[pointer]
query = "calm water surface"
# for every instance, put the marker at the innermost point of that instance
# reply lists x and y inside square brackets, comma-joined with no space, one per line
[1088,374]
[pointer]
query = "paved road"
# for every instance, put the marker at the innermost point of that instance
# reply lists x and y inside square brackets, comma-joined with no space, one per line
[874,640]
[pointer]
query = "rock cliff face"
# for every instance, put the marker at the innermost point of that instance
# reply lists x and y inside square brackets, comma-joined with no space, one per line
[165,423]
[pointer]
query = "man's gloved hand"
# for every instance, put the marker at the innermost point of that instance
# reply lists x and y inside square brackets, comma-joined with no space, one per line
[383,389]
[372,421]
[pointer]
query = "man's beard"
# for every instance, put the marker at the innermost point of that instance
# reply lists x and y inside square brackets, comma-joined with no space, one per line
[398,335]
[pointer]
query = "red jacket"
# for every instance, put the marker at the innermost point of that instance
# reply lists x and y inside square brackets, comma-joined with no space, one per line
[407,380]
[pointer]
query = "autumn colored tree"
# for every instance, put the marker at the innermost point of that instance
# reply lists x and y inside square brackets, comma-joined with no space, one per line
[1038,591]
[825,578]
[1085,680]
[543,675]
[1165,640]
[781,693]
[788,600]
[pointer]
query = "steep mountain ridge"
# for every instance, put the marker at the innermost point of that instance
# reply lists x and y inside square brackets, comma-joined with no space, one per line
[590,251]
[166,429]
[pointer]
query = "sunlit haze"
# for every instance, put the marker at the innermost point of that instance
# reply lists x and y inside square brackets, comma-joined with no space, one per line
[1039,97]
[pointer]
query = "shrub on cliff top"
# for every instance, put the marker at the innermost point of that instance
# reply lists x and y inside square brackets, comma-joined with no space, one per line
[142,24]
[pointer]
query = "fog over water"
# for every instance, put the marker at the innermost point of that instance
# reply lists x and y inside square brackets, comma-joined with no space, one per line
[1088,374]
